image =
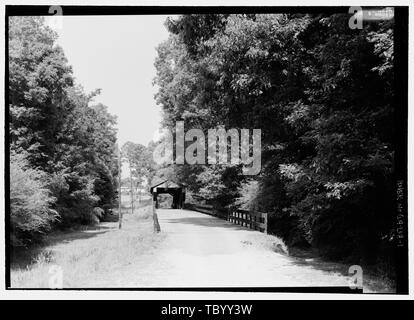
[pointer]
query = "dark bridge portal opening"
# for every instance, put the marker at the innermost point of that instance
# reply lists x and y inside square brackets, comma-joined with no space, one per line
[177,191]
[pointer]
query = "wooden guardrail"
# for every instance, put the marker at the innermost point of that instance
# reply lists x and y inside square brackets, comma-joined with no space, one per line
[247,218]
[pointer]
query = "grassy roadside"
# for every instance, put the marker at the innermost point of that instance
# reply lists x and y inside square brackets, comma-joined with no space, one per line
[373,281]
[87,257]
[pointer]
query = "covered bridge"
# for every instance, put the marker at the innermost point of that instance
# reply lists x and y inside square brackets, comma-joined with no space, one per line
[177,190]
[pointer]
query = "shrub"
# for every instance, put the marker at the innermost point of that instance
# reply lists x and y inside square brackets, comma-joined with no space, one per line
[248,195]
[30,201]
[99,214]
[75,199]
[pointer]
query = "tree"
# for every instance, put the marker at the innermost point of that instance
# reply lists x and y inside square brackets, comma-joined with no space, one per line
[322,95]
[64,138]
[141,165]
[38,82]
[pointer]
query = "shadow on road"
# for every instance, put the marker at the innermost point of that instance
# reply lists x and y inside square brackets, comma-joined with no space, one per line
[207,221]
[318,264]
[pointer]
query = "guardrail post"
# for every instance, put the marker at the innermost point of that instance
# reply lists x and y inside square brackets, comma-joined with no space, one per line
[265,222]
[157,227]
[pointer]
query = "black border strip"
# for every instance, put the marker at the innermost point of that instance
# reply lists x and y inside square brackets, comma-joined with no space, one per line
[6,155]
[401,145]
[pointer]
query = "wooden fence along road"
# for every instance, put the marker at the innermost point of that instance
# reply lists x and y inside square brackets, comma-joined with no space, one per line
[246,218]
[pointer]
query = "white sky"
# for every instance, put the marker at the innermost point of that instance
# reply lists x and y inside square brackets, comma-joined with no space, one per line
[117,54]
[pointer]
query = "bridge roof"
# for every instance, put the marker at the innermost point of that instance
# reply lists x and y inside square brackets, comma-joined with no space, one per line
[167,184]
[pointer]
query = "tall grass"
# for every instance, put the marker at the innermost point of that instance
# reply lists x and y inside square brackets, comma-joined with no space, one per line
[90,258]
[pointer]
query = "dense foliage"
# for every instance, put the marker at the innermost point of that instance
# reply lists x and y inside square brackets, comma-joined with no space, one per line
[321,93]
[62,163]
[140,162]
[30,201]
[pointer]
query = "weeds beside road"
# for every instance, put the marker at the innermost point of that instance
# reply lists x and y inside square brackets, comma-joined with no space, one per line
[89,257]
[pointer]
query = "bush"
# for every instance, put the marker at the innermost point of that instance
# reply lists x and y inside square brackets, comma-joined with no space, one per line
[30,201]
[249,192]
[99,214]
[75,199]
[81,204]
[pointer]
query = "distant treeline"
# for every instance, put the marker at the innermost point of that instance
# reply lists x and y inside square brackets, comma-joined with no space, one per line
[322,94]
[62,148]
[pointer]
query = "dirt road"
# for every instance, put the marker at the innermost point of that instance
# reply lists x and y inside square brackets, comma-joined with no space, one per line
[192,250]
[203,251]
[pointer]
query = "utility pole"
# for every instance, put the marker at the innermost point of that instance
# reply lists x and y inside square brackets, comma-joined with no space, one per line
[132,187]
[119,188]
